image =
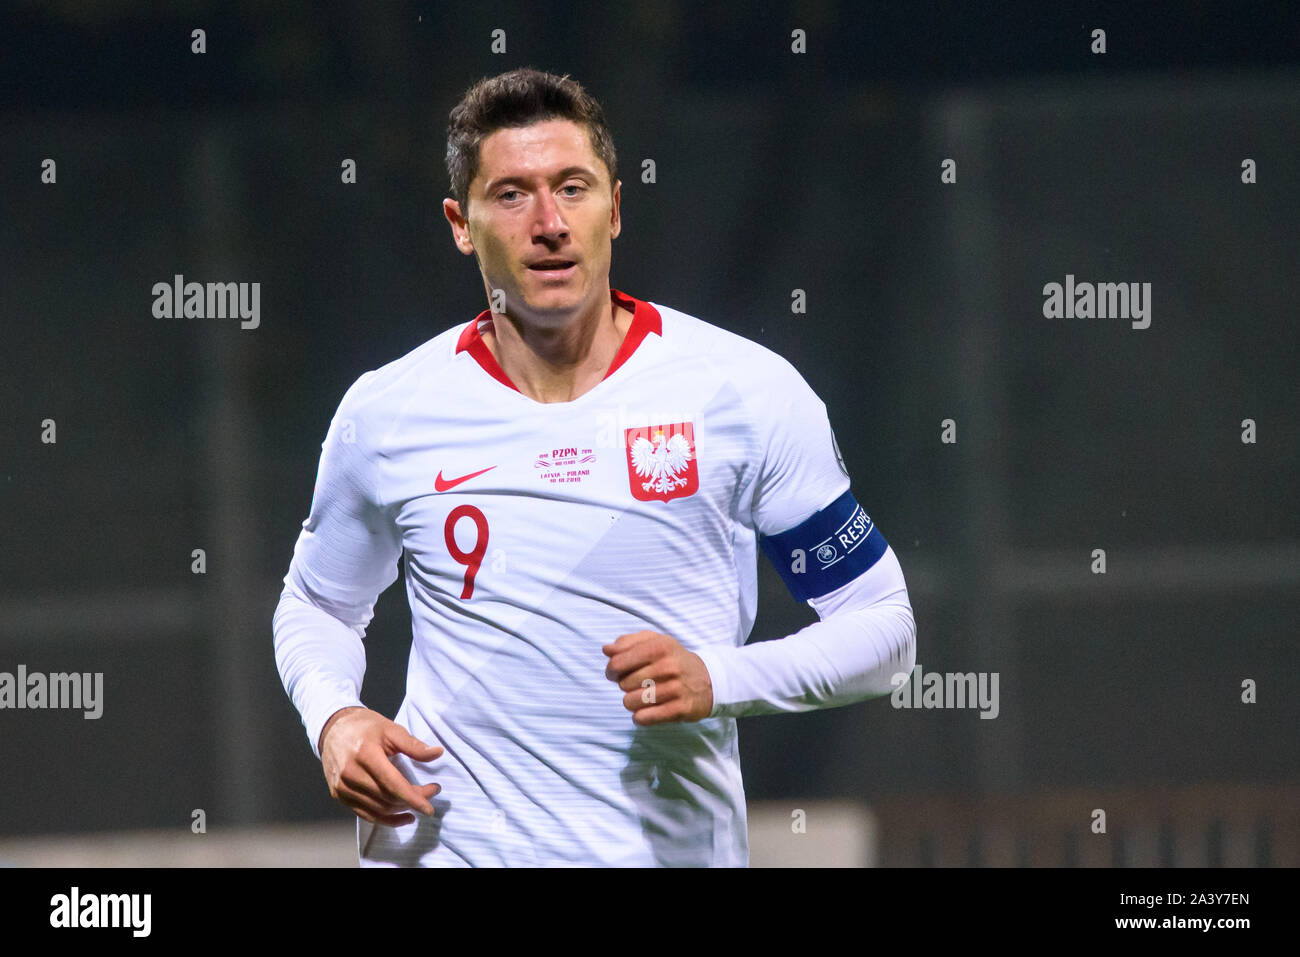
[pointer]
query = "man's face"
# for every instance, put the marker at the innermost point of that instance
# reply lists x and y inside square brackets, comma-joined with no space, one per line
[541,197]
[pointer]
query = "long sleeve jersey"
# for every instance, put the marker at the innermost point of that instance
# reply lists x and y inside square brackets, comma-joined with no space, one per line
[532,534]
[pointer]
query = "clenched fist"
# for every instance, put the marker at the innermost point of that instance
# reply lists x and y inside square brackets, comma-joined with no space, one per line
[663,681]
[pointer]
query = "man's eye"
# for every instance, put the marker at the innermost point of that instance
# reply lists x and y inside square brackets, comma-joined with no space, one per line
[574,186]
[506,194]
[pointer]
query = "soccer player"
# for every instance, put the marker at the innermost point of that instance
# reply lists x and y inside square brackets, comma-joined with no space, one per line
[577,481]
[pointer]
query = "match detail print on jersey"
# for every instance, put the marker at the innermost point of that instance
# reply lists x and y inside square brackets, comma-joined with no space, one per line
[661,462]
[566,466]
[830,549]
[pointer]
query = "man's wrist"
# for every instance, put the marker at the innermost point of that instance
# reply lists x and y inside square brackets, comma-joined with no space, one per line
[320,744]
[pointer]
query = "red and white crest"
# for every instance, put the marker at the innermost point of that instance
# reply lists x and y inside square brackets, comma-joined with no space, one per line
[661,462]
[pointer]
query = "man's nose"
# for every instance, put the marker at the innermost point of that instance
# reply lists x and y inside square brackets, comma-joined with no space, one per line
[549,221]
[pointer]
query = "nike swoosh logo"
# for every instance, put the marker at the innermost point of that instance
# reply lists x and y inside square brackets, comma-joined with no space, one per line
[440,484]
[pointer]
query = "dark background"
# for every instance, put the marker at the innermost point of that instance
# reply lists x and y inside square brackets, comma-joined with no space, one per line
[775,171]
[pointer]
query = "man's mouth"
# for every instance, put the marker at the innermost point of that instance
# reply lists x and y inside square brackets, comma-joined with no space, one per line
[554,268]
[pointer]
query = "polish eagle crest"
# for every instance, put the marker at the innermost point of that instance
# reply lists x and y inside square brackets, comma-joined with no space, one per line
[660,462]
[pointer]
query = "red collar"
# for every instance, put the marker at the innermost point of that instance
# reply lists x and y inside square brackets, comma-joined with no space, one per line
[645,320]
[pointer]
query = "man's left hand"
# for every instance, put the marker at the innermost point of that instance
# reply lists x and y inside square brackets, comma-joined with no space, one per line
[664,682]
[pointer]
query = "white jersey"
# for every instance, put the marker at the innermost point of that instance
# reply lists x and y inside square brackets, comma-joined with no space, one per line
[535,533]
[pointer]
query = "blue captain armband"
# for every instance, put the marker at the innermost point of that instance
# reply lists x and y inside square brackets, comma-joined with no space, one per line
[829,550]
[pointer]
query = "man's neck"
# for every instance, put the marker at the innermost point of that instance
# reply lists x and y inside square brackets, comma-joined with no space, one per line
[558,365]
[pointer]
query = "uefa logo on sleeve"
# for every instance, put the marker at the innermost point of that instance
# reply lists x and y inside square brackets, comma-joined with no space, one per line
[661,462]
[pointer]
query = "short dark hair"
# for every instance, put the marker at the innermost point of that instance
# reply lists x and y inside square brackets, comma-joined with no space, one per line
[519,98]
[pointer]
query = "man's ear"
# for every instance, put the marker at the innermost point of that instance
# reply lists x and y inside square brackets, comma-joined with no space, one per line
[459,226]
[615,220]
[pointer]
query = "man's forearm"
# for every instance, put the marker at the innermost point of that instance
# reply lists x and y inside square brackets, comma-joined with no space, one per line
[846,658]
[321,661]
[867,635]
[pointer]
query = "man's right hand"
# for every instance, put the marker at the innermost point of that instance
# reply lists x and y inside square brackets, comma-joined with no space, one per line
[355,747]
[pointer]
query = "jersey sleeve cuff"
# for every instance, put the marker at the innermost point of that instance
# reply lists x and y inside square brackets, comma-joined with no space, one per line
[716,661]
